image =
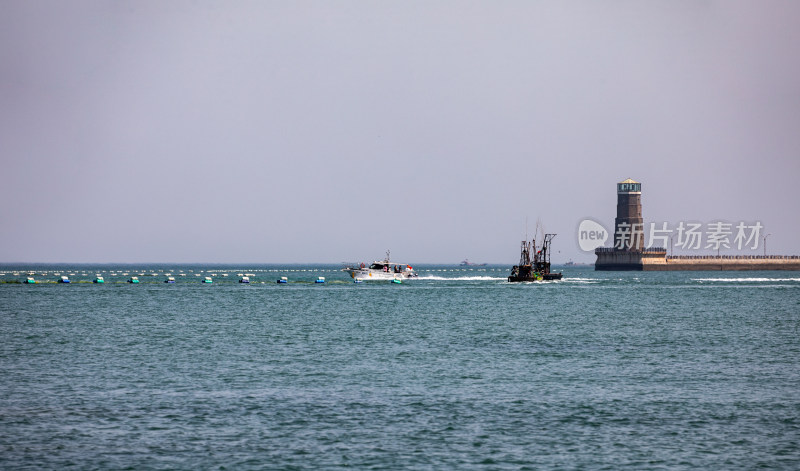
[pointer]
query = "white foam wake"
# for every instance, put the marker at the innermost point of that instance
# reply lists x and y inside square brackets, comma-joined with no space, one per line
[581,280]
[460,278]
[745,280]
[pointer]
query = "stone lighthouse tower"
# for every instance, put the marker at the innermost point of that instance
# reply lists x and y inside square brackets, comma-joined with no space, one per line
[628,225]
[628,252]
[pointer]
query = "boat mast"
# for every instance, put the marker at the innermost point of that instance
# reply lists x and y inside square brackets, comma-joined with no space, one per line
[525,254]
[546,248]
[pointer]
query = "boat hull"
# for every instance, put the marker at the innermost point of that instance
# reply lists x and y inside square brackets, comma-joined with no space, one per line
[541,277]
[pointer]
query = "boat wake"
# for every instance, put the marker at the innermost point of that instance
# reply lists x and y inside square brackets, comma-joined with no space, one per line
[460,278]
[744,280]
[582,280]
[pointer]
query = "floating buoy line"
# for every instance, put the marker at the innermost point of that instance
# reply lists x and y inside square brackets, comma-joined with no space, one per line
[203,276]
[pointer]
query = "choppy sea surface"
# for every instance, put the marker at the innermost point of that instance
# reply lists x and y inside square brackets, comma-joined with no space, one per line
[458,369]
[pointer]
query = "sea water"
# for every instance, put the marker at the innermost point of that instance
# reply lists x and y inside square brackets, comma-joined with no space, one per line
[458,369]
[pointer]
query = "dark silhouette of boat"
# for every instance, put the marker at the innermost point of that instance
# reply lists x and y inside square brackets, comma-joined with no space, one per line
[534,265]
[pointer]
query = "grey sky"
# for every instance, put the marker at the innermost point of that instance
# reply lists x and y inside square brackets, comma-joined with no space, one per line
[263,132]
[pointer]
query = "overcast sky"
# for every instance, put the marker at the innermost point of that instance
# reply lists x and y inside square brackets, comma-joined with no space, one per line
[291,131]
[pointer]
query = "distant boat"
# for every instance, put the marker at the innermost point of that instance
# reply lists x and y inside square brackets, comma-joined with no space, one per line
[133,279]
[245,279]
[573,264]
[99,279]
[283,280]
[467,263]
[64,279]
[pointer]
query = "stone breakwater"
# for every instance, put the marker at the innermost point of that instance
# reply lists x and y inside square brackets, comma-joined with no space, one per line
[723,262]
[657,260]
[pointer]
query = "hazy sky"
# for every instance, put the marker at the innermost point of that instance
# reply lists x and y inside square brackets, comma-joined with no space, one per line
[325,131]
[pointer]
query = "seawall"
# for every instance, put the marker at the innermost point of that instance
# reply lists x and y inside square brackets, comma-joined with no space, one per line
[657,260]
[724,262]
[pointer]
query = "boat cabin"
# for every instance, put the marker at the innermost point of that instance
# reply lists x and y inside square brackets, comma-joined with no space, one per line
[388,267]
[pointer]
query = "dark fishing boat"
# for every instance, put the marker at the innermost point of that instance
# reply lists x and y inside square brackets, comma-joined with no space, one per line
[534,265]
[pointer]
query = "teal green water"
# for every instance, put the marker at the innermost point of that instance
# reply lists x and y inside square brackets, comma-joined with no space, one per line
[456,370]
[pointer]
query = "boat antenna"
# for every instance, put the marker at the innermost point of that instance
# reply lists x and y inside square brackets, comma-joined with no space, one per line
[526,227]
[539,228]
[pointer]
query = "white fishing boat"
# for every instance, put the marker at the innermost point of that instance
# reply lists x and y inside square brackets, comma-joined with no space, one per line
[381,270]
